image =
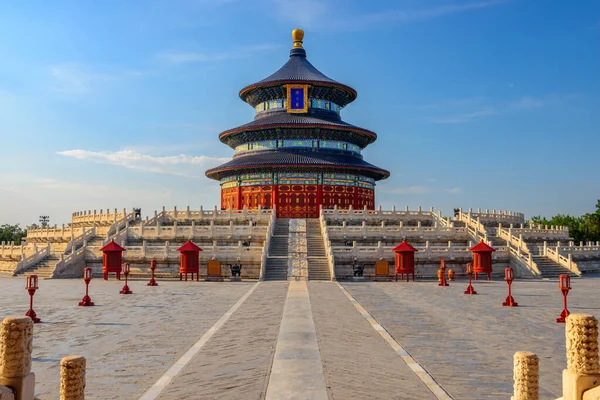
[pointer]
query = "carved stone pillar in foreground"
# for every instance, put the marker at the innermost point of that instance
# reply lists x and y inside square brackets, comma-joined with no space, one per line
[16,345]
[72,378]
[526,373]
[583,369]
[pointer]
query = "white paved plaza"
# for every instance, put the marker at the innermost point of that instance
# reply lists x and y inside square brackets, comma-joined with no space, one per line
[265,347]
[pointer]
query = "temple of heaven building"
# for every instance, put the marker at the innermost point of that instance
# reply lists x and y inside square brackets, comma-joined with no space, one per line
[297,154]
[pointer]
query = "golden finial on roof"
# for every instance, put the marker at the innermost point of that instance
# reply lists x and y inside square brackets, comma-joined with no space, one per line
[298,35]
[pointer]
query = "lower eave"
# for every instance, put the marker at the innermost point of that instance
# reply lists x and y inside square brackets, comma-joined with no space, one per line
[219,173]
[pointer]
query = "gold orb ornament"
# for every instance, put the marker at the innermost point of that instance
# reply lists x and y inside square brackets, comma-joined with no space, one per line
[298,35]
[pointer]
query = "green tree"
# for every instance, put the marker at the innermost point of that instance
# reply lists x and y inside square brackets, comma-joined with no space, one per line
[10,233]
[584,228]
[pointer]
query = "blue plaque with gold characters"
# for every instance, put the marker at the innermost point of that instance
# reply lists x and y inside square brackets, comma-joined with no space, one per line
[297,98]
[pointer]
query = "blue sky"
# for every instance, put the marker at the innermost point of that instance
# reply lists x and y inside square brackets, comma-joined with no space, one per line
[477,103]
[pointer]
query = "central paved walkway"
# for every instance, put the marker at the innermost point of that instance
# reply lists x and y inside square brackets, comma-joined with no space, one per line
[297,371]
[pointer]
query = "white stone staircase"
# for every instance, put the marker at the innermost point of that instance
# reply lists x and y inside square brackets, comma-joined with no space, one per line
[276,267]
[318,265]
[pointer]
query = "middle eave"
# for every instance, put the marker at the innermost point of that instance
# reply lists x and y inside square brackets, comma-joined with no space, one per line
[284,120]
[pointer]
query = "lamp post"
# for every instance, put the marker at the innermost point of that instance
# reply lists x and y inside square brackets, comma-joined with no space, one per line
[443,274]
[87,277]
[470,289]
[152,268]
[509,277]
[32,286]
[126,269]
[564,284]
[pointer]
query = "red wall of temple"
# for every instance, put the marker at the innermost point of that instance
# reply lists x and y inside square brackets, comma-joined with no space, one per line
[297,201]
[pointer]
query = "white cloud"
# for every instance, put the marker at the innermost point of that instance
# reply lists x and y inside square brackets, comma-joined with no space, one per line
[69,79]
[526,103]
[307,14]
[75,79]
[407,190]
[455,190]
[319,14]
[466,116]
[132,159]
[181,57]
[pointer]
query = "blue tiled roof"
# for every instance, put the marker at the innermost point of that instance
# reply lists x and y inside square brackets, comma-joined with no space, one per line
[299,69]
[283,118]
[281,157]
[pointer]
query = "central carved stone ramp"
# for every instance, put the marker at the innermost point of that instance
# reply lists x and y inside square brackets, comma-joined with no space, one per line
[551,269]
[318,267]
[276,268]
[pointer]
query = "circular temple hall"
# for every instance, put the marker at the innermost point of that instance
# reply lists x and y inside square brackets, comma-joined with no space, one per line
[297,154]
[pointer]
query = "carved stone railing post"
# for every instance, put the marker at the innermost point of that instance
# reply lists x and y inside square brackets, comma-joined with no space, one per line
[16,345]
[72,378]
[526,376]
[583,369]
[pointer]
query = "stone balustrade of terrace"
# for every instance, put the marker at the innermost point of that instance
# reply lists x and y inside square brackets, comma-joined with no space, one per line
[376,216]
[202,216]
[493,217]
[104,217]
[396,233]
[427,258]
[210,231]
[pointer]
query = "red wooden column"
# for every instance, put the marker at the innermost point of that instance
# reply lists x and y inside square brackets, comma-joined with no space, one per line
[405,260]
[238,199]
[112,259]
[189,260]
[482,259]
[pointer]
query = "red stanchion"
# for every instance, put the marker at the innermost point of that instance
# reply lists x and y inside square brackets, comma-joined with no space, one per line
[564,284]
[32,286]
[87,277]
[508,277]
[443,274]
[126,270]
[152,268]
[470,289]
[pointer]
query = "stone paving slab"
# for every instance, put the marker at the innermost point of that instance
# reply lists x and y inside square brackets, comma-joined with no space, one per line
[467,342]
[236,362]
[128,340]
[358,363]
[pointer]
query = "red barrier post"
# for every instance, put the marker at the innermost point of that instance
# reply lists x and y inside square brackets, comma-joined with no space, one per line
[126,270]
[87,277]
[508,277]
[443,274]
[152,268]
[32,286]
[470,289]
[564,284]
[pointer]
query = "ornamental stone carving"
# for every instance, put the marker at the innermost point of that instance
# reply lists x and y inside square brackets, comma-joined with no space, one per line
[72,378]
[526,376]
[582,344]
[16,345]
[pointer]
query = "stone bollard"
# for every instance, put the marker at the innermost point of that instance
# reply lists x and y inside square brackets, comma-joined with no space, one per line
[526,376]
[16,344]
[6,393]
[72,378]
[583,370]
